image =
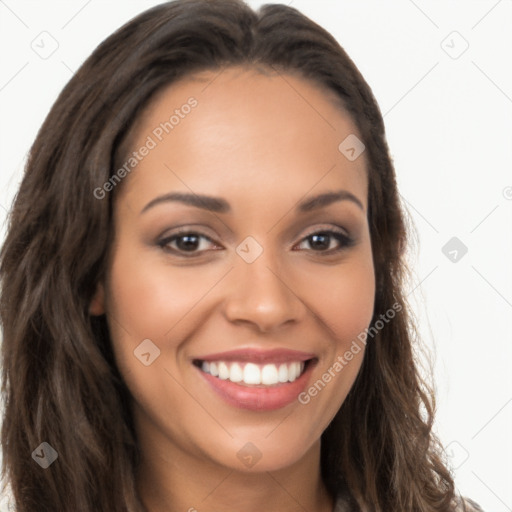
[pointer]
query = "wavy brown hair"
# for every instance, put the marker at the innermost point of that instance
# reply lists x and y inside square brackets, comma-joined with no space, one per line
[60,382]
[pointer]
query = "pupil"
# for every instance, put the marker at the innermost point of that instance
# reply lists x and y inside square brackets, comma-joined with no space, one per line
[324,244]
[188,245]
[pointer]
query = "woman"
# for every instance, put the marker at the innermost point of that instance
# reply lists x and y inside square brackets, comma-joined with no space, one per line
[202,282]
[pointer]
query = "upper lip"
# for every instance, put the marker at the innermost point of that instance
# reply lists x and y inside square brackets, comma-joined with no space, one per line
[278,355]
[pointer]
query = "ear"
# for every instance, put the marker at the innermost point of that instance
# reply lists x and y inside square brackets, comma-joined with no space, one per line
[97,305]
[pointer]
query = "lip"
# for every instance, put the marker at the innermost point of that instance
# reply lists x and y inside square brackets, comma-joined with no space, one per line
[259,399]
[248,355]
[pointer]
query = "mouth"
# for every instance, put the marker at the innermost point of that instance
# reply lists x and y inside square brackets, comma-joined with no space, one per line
[255,381]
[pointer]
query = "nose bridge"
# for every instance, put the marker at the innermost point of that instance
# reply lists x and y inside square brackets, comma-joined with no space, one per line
[261,294]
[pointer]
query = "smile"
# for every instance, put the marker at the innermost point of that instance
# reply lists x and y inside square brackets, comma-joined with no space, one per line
[256,380]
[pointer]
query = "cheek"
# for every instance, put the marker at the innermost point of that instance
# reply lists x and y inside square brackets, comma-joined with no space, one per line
[149,300]
[351,304]
[345,304]
[344,298]
[145,302]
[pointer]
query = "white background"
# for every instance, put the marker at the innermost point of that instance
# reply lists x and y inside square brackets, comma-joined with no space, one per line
[448,116]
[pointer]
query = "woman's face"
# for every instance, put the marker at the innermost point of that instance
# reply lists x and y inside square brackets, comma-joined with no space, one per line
[213,312]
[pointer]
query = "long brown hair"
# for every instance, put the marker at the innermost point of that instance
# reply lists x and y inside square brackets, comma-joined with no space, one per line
[60,382]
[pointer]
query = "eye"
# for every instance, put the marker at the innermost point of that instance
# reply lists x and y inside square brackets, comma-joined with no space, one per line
[321,241]
[186,242]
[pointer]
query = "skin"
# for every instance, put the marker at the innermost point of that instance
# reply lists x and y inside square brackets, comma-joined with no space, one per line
[263,143]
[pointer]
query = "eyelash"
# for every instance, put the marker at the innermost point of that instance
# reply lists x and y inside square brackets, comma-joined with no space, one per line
[344,240]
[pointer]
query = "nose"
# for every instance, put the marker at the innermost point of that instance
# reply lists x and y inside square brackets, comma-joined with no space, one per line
[263,296]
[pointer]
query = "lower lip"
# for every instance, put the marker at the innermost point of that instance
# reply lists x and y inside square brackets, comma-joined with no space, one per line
[259,399]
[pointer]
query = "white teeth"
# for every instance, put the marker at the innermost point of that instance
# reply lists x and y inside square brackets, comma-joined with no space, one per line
[269,375]
[254,374]
[294,371]
[291,372]
[214,370]
[223,371]
[235,373]
[283,373]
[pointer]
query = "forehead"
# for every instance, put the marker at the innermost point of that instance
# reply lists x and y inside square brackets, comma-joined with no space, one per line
[275,131]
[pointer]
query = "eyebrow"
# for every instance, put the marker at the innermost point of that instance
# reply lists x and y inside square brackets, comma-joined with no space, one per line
[220,205]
